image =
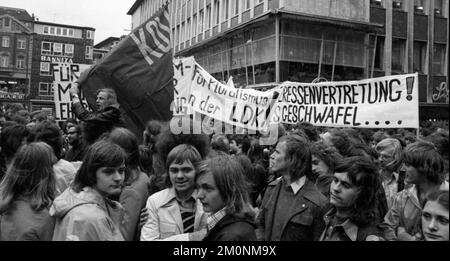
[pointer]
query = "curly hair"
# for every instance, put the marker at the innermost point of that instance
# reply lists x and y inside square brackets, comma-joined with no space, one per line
[329,155]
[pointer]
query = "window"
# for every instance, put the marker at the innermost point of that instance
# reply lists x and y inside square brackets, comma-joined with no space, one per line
[247,4]
[439,59]
[21,44]
[7,22]
[208,17]
[420,54]
[68,49]
[376,3]
[90,34]
[52,30]
[397,4]
[216,12]
[64,32]
[57,48]
[20,63]
[194,26]
[226,5]
[201,20]
[5,41]
[398,55]
[46,30]
[46,48]
[89,54]
[71,32]
[45,68]
[235,7]
[439,7]
[419,6]
[46,89]
[4,60]
[188,29]
[58,31]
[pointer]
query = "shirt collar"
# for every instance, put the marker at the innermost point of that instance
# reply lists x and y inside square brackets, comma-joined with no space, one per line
[214,219]
[350,229]
[298,185]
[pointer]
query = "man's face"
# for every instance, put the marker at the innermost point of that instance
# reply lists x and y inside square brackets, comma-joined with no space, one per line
[319,167]
[278,159]
[182,177]
[102,97]
[72,135]
[412,176]
[110,180]
[343,193]
[209,194]
[386,157]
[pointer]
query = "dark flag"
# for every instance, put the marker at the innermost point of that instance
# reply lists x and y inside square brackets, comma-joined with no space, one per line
[140,70]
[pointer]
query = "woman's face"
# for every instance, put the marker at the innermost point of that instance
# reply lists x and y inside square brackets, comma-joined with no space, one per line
[435,222]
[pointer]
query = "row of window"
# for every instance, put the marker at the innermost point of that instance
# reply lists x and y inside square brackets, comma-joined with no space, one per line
[67,32]
[222,13]
[46,89]
[21,43]
[57,49]
[420,6]
[5,60]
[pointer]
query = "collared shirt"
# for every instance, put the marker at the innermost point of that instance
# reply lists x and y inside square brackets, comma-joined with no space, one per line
[298,185]
[215,218]
[338,231]
[391,189]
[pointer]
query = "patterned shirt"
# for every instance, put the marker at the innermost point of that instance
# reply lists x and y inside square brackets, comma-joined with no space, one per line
[215,218]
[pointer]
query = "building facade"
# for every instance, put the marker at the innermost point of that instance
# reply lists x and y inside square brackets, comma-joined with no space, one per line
[16,36]
[264,42]
[104,47]
[56,43]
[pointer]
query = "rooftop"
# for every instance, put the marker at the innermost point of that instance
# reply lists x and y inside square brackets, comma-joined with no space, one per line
[20,14]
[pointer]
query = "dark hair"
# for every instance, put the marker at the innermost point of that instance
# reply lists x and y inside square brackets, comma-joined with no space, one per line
[310,131]
[129,143]
[362,173]
[220,143]
[31,176]
[12,138]
[230,181]
[439,196]
[101,154]
[358,149]
[298,151]
[426,159]
[341,141]
[50,133]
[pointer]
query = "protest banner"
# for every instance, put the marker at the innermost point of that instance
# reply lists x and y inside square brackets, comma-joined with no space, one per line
[242,108]
[65,74]
[386,102]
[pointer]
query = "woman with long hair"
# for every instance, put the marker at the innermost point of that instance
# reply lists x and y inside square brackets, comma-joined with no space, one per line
[26,193]
[435,217]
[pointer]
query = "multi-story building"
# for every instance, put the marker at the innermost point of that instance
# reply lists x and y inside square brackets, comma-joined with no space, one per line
[56,43]
[104,47]
[16,36]
[264,42]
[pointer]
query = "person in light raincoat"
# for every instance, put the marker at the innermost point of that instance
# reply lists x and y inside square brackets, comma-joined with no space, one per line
[85,212]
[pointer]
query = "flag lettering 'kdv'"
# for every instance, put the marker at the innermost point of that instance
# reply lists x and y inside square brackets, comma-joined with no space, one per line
[140,70]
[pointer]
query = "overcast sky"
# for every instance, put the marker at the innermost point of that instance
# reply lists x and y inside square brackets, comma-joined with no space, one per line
[108,17]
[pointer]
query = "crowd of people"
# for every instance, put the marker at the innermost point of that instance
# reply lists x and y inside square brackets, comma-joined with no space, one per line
[91,179]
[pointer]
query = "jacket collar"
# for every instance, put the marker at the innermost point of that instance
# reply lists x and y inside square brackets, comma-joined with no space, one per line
[412,193]
[171,196]
[350,229]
